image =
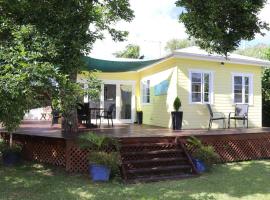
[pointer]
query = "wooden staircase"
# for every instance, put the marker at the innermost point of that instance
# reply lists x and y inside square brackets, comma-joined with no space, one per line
[155,159]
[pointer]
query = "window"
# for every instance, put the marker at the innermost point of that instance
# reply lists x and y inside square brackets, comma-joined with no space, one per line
[146,91]
[242,88]
[201,90]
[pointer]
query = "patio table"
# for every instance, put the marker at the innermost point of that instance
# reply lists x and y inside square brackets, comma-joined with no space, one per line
[95,110]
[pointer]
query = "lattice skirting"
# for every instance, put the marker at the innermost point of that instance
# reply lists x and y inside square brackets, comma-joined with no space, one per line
[66,153]
[240,147]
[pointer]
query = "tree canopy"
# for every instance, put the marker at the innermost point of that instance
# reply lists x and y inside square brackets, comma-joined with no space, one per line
[257,51]
[130,51]
[218,25]
[174,44]
[43,41]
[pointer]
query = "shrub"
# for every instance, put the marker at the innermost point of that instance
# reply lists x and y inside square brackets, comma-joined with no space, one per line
[177,104]
[206,153]
[99,146]
[5,147]
[97,142]
[109,159]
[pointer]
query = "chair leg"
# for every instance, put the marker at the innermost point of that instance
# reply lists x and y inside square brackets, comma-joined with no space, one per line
[244,123]
[112,121]
[99,122]
[229,123]
[235,123]
[209,125]
[247,122]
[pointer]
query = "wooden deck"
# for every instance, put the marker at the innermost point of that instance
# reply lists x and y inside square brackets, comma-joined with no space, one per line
[47,144]
[44,129]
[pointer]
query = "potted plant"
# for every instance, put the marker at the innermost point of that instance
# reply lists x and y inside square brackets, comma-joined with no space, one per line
[139,116]
[177,116]
[102,163]
[11,154]
[204,156]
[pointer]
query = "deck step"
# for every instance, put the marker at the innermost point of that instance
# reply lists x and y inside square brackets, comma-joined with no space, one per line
[148,145]
[151,152]
[161,168]
[156,178]
[154,160]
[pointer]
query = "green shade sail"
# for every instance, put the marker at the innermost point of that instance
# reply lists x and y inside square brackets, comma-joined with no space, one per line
[116,66]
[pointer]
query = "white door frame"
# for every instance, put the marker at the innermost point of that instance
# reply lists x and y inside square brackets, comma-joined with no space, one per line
[118,99]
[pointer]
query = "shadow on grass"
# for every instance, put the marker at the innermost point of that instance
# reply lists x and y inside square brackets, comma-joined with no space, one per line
[35,181]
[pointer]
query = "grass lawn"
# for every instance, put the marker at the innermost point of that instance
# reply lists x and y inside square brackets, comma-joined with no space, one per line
[245,180]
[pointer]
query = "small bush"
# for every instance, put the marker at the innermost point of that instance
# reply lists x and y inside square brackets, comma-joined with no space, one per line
[109,159]
[97,142]
[100,147]
[4,147]
[206,153]
[177,104]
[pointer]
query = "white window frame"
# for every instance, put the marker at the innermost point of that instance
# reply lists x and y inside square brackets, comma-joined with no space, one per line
[250,95]
[144,84]
[211,86]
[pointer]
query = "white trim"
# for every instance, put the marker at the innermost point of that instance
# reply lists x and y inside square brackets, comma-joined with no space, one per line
[142,91]
[216,58]
[212,58]
[156,63]
[211,86]
[251,83]
[118,103]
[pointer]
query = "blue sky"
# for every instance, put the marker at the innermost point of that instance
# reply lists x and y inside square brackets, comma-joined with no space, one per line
[156,22]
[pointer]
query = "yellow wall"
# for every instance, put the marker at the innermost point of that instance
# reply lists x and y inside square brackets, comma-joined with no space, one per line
[176,70]
[197,115]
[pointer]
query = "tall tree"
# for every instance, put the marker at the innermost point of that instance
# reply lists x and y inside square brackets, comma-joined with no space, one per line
[218,25]
[174,44]
[130,51]
[257,51]
[72,26]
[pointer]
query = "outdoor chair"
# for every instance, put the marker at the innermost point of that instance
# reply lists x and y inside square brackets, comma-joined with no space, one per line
[240,113]
[83,113]
[215,116]
[106,114]
[55,116]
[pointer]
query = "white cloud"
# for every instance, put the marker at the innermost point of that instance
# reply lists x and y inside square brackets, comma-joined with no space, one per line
[156,22]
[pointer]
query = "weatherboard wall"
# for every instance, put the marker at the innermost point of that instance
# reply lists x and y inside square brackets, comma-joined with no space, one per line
[157,112]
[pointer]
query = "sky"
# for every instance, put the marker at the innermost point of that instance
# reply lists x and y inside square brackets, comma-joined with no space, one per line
[156,22]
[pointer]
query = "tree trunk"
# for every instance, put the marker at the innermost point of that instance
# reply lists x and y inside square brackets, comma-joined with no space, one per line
[10,140]
[70,121]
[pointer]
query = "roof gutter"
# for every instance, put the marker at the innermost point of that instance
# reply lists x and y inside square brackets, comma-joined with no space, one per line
[221,59]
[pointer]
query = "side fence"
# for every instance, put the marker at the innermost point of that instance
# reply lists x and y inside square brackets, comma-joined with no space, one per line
[65,153]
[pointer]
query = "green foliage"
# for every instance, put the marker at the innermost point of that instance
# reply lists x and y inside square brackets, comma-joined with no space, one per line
[177,104]
[110,160]
[97,142]
[41,49]
[175,44]
[257,51]
[4,147]
[131,51]
[219,26]
[266,94]
[93,85]
[206,153]
[99,146]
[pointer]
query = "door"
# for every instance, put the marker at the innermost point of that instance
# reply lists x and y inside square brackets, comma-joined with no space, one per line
[110,97]
[121,95]
[126,102]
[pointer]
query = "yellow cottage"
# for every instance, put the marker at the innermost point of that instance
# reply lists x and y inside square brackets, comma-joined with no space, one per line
[198,78]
